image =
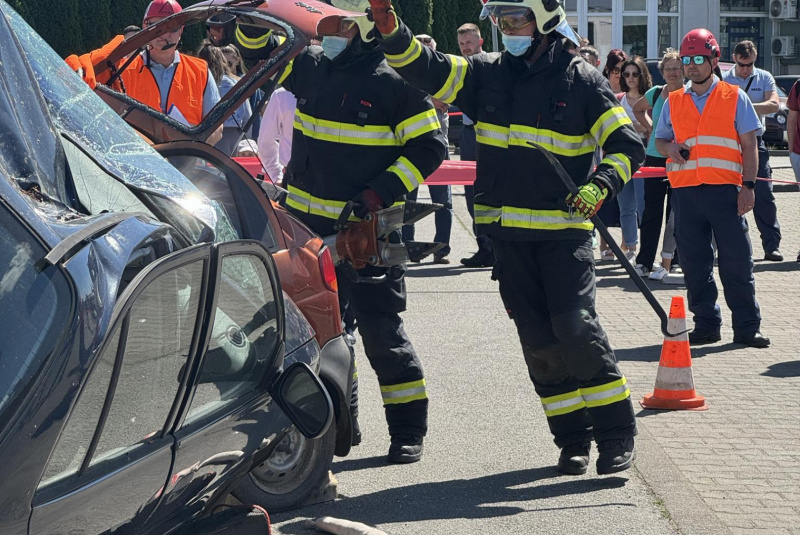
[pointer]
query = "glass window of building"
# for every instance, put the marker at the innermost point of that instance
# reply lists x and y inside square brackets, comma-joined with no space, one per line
[748,6]
[634,35]
[736,29]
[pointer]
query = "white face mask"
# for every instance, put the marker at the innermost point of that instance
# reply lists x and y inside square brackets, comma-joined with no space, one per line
[516,45]
[333,45]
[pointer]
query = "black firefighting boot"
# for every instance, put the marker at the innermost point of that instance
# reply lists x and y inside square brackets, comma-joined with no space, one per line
[405,449]
[615,456]
[574,459]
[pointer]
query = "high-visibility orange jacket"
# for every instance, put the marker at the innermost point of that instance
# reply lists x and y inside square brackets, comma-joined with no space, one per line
[186,91]
[716,153]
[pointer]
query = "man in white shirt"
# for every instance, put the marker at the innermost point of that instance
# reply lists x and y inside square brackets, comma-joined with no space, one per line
[275,134]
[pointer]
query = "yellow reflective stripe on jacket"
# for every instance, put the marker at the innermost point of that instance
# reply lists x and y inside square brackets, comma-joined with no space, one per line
[598,396]
[455,81]
[407,172]
[610,121]
[286,72]
[563,403]
[351,134]
[404,393]
[526,218]
[413,51]
[252,43]
[621,163]
[492,134]
[551,140]
[307,203]
[419,124]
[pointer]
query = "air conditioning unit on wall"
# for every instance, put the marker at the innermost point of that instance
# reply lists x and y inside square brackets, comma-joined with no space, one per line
[783,46]
[783,9]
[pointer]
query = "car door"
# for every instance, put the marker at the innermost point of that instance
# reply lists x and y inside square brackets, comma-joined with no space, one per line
[114,455]
[228,415]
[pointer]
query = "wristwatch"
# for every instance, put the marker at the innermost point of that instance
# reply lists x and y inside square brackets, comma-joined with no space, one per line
[749,184]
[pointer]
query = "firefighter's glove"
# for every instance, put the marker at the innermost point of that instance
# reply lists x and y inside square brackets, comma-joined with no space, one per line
[83,66]
[588,200]
[382,14]
[367,201]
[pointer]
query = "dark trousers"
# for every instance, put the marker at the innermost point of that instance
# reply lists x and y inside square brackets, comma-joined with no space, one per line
[443,217]
[548,289]
[701,211]
[468,146]
[377,310]
[765,210]
[655,190]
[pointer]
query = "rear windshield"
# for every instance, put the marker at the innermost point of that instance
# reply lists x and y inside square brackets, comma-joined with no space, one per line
[34,312]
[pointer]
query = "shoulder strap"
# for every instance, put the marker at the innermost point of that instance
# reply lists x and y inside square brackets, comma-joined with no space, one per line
[656,94]
[749,83]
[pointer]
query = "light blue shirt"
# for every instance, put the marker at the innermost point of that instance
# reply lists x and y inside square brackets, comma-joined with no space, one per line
[746,119]
[763,83]
[242,113]
[466,121]
[164,75]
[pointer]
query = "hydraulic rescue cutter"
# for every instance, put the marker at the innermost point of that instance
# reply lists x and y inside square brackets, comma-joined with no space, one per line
[373,241]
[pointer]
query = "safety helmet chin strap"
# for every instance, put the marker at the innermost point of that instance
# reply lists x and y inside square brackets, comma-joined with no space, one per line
[707,78]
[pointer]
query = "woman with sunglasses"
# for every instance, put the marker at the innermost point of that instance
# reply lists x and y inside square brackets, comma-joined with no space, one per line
[635,82]
[613,69]
[655,189]
[534,100]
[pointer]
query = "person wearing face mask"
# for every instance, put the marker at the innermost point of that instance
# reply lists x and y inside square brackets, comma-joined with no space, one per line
[362,134]
[537,91]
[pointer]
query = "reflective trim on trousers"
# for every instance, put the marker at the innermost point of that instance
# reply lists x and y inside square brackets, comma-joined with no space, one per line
[598,396]
[404,392]
[563,403]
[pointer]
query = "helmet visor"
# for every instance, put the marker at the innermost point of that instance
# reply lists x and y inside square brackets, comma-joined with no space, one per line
[509,17]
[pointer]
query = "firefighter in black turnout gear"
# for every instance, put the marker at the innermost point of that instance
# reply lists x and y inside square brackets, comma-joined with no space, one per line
[537,91]
[362,133]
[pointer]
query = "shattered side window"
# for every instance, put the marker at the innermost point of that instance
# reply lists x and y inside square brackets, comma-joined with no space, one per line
[76,110]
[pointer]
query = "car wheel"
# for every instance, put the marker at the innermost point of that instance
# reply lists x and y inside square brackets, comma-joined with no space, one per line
[295,470]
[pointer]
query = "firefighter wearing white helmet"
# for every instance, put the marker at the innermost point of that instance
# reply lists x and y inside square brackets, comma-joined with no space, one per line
[536,91]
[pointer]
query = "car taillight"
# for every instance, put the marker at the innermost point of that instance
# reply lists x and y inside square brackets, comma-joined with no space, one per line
[327,269]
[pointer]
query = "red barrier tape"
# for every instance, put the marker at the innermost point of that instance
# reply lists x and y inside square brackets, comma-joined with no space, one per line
[458,173]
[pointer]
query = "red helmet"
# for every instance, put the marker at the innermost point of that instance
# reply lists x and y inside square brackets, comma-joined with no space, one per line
[700,42]
[161,8]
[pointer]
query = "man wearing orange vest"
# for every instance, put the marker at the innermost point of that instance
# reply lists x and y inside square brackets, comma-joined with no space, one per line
[708,131]
[177,85]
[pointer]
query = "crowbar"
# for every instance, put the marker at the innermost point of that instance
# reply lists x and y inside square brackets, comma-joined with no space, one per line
[601,228]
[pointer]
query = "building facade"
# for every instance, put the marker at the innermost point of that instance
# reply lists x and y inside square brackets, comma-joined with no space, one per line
[648,27]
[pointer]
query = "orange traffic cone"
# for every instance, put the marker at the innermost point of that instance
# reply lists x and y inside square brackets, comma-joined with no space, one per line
[674,382]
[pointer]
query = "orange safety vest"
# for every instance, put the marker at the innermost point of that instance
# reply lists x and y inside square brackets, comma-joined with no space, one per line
[716,153]
[185,92]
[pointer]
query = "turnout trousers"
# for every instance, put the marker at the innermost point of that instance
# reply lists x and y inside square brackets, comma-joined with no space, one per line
[701,211]
[548,289]
[377,310]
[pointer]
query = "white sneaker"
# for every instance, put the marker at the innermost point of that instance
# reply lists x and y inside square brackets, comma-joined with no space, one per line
[630,255]
[641,270]
[658,274]
[675,276]
[607,255]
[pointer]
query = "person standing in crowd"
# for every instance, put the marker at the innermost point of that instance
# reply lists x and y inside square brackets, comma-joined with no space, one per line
[613,69]
[346,84]
[236,65]
[175,84]
[707,131]
[275,137]
[470,43]
[590,54]
[656,188]
[793,131]
[537,91]
[634,82]
[443,218]
[232,127]
[761,89]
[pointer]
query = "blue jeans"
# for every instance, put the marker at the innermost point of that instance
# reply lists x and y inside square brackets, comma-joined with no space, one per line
[631,208]
[443,217]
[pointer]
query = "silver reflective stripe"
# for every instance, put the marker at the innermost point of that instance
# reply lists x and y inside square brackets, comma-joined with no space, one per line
[674,379]
[332,210]
[403,393]
[412,181]
[623,165]
[719,164]
[342,131]
[717,141]
[563,403]
[494,214]
[413,128]
[448,94]
[691,142]
[605,394]
[401,60]
[688,166]
[510,216]
[491,134]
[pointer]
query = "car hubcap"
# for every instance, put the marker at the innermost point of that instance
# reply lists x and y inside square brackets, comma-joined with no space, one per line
[288,466]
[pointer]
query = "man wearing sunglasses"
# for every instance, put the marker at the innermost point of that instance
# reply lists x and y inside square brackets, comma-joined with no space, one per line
[537,91]
[763,93]
[708,131]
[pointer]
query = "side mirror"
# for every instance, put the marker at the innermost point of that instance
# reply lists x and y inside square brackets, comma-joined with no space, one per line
[301,395]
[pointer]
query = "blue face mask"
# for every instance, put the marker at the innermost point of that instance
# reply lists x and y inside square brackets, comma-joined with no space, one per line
[516,45]
[333,45]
